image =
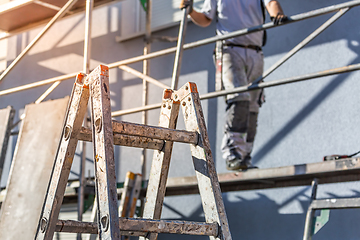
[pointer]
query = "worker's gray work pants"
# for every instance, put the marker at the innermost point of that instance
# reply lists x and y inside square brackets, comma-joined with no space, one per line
[240,67]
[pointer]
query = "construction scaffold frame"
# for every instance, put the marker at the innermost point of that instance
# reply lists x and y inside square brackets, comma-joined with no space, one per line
[339,9]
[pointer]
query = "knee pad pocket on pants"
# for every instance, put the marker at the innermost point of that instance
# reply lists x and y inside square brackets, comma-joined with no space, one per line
[253,116]
[237,116]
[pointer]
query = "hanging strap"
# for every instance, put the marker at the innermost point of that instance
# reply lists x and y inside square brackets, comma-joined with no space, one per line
[263,13]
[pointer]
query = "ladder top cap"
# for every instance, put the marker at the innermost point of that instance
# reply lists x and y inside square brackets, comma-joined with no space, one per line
[104,67]
[80,79]
[191,87]
[167,93]
[101,70]
[179,95]
[184,91]
[104,70]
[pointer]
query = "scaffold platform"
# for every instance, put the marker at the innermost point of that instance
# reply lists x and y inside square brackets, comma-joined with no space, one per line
[344,170]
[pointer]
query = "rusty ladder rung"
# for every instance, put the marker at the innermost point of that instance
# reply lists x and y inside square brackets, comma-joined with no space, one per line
[155,132]
[141,227]
[144,136]
[126,140]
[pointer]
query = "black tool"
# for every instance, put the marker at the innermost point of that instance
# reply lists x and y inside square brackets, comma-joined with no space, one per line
[337,157]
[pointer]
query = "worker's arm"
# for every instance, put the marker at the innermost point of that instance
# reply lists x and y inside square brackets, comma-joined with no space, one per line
[197,17]
[200,19]
[276,13]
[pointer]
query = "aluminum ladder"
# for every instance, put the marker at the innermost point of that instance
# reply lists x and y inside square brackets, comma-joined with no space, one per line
[104,134]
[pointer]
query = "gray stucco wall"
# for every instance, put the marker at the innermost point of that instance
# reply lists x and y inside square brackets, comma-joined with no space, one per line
[299,123]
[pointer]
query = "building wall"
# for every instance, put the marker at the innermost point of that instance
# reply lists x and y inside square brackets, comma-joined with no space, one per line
[3,46]
[299,123]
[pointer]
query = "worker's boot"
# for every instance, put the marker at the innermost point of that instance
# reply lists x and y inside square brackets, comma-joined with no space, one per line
[236,162]
[253,116]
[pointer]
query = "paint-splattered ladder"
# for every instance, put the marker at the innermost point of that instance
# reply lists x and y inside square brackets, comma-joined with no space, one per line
[104,134]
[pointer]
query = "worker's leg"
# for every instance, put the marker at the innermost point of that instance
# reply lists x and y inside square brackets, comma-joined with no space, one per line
[255,69]
[252,126]
[234,145]
[235,73]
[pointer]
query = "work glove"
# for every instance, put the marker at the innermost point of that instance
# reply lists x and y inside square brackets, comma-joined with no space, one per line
[187,4]
[279,19]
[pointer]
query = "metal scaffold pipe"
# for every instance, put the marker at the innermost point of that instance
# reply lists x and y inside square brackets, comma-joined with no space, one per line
[179,50]
[303,43]
[251,87]
[145,94]
[241,32]
[37,84]
[294,18]
[274,83]
[59,15]
[86,69]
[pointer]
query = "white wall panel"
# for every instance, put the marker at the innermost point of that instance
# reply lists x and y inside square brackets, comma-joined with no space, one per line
[164,14]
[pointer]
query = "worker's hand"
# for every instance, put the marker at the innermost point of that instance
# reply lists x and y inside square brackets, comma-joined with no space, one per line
[279,19]
[186,4]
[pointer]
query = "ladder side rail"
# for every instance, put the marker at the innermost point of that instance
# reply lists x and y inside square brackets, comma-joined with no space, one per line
[5,132]
[167,134]
[126,140]
[102,134]
[135,194]
[125,196]
[204,165]
[311,212]
[160,164]
[93,220]
[64,157]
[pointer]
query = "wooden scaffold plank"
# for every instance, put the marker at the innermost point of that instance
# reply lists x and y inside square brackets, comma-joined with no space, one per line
[31,169]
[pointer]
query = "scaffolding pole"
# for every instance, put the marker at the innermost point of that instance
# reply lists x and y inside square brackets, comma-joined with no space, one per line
[179,50]
[295,18]
[144,76]
[146,72]
[311,212]
[86,69]
[251,87]
[59,15]
[47,92]
[302,44]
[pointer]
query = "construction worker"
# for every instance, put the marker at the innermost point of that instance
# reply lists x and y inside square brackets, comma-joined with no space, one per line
[242,63]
